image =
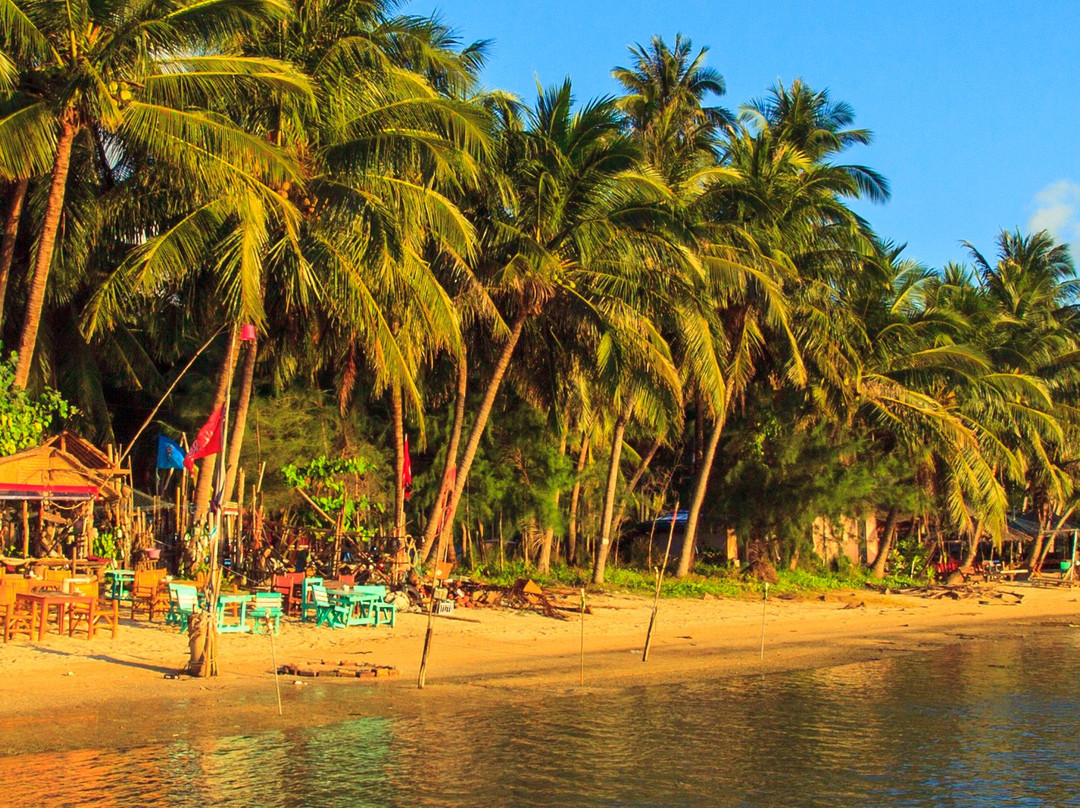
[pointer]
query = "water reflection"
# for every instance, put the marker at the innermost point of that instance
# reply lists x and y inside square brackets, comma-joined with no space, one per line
[972,725]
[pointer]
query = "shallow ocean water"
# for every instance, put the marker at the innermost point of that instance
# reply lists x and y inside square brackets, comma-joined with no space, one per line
[975,724]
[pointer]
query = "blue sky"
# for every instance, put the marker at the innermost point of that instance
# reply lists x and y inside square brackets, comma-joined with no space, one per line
[973,104]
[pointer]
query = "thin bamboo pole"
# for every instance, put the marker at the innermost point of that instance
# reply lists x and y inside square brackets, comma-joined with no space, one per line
[582,652]
[659,583]
[764,601]
[440,551]
[210,667]
[273,657]
[176,381]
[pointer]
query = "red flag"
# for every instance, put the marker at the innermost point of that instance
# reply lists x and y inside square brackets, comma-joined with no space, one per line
[208,441]
[406,471]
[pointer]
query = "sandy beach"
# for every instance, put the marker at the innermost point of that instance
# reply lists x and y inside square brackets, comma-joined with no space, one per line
[51,692]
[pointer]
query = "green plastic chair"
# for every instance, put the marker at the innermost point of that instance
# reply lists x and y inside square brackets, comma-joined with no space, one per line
[306,602]
[183,603]
[268,606]
[327,611]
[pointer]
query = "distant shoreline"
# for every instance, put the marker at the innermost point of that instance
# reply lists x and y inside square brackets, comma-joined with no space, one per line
[71,694]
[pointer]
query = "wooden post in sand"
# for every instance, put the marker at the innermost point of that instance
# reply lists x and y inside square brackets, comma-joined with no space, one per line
[273,658]
[582,636]
[25,529]
[659,583]
[440,552]
[763,602]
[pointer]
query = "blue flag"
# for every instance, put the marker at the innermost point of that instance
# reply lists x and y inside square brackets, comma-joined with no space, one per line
[169,454]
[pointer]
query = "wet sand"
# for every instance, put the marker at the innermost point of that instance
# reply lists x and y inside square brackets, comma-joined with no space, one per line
[70,693]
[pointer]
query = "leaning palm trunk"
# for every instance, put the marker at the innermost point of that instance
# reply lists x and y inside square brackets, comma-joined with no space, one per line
[600,562]
[397,411]
[878,567]
[204,488]
[973,546]
[11,230]
[432,527]
[482,415]
[701,485]
[543,562]
[631,486]
[575,500]
[236,440]
[1051,537]
[1035,551]
[54,206]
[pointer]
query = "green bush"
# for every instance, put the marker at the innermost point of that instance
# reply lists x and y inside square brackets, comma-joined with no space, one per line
[25,418]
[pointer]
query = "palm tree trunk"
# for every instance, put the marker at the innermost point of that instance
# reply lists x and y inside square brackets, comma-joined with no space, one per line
[11,230]
[204,488]
[543,563]
[430,530]
[1032,559]
[397,411]
[877,569]
[1051,538]
[482,415]
[699,429]
[633,484]
[701,485]
[973,546]
[600,562]
[54,207]
[575,499]
[236,440]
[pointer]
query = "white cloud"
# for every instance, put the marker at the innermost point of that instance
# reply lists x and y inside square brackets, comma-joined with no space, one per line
[1057,209]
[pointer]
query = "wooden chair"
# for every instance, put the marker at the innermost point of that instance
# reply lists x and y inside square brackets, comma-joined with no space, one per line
[286,586]
[15,618]
[328,612]
[88,617]
[267,607]
[148,593]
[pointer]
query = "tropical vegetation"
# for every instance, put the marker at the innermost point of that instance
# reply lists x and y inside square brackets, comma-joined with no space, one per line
[582,312]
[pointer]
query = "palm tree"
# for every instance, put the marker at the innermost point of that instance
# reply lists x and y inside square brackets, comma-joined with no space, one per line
[1033,335]
[144,78]
[573,236]
[664,102]
[783,209]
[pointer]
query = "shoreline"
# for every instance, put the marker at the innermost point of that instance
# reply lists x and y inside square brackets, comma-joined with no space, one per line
[68,693]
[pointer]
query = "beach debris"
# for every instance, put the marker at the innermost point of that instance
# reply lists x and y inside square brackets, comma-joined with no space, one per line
[759,567]
[342,670]
[524,595]
[954,578]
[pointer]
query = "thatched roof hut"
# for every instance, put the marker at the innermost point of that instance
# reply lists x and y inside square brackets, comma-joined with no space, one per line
[65,467]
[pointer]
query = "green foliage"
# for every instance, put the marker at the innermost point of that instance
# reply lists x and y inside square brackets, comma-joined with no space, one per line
[105,545]
[296,425]
[326,481]
[910,555]
[783,473]
[25,418]
[517,472]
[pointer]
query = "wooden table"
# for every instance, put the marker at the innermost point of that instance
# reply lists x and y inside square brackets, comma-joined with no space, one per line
[41,601]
